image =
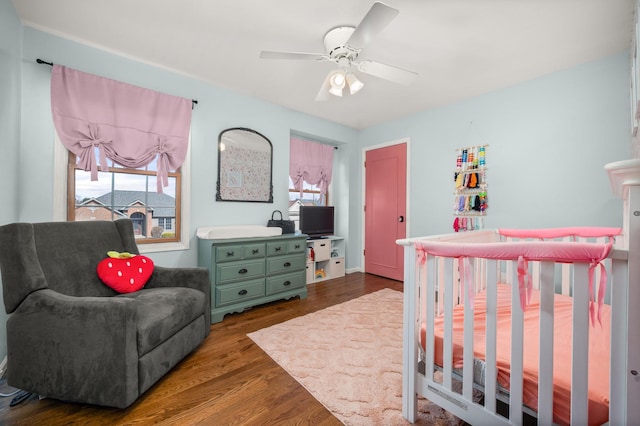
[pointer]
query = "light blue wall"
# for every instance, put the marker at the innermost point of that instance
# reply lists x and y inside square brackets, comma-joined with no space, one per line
[548,138]
[10,83]
[217,109]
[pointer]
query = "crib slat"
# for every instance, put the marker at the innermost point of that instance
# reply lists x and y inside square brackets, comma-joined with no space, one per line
[440,286]
[467,369]
[517,330]
[410,333]
[490,344]
[428,308]
[449,274]
[580,345]
[535,274]
[545,355]
[618,371]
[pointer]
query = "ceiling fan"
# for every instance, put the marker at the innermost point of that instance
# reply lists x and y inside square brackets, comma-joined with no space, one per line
[343,45]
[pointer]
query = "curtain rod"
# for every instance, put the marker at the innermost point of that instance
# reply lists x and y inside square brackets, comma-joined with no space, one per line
[194,102]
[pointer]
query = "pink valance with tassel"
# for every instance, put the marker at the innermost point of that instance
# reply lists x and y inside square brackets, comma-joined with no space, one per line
[310,162]
[128,124]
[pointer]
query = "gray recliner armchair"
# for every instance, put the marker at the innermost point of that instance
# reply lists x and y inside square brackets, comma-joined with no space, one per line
[71,337]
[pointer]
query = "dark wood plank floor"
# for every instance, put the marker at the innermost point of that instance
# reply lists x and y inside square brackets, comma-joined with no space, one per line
[227,380]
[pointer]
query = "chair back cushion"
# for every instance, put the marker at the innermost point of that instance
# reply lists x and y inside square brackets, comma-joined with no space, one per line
[62,256]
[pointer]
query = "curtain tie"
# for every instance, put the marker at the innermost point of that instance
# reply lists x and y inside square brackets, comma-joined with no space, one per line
[87,159]
[163,164]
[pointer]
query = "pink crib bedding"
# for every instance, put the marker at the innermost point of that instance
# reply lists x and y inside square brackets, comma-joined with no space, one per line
[598,351]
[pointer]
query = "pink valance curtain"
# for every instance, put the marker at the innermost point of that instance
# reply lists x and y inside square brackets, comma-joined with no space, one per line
[128,124]
[310,162]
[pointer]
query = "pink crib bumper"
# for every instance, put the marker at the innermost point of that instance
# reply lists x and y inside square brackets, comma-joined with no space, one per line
[524,251]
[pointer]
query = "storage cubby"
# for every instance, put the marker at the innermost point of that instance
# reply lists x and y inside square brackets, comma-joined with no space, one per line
[325,259]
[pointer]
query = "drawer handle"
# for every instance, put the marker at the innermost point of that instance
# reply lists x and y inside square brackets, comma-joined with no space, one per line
[242,292]
[256,251]
[297,246]
[278,248]
[322,245]
[287,264]
[243,271]
[229,253]
[286,283]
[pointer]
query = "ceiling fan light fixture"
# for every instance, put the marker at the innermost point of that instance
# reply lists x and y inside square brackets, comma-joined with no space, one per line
[335,91]
[354,83]
[336,83]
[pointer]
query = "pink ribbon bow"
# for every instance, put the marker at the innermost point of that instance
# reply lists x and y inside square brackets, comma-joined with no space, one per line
[87,159]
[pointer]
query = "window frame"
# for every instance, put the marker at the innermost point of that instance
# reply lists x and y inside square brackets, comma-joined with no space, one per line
[71,194]
[60,204]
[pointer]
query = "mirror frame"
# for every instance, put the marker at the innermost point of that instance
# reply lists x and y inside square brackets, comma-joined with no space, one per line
[225,192]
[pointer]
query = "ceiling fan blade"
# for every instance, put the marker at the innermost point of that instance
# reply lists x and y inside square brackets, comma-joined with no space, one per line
[388,72]
[378,17]
[323,93]
[268,54]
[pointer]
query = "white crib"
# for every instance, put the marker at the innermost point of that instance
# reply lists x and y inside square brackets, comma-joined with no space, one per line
[436,290]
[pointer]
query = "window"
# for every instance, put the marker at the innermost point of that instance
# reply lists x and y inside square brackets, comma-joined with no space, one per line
[311,167]
[311,195]
[121,192]
[165,223]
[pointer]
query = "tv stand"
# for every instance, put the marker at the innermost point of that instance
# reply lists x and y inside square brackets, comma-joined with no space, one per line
[328,260]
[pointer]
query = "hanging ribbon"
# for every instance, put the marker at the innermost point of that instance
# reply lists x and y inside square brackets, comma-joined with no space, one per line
[87,159]
[524,282]
[421,255]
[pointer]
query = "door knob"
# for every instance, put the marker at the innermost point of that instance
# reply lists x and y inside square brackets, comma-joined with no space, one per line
[401,219]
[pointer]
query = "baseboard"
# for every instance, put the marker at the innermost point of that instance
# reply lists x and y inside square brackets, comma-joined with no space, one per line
[352,270]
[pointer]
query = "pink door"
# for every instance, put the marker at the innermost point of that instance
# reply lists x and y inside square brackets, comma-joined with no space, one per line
[385,210]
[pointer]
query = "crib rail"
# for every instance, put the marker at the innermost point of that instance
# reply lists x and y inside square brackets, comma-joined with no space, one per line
[436,284]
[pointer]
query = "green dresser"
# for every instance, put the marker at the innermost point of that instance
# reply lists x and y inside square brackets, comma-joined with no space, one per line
[245,272]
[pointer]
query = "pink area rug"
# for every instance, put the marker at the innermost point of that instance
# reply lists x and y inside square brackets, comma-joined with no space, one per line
[349,357]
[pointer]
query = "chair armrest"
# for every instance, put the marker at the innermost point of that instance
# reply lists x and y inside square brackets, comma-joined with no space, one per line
[75,348]
[196,278]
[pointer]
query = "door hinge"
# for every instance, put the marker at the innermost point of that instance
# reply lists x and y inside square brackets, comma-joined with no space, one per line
[364,252]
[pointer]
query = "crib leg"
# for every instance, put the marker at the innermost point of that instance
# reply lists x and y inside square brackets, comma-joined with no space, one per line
[409,339]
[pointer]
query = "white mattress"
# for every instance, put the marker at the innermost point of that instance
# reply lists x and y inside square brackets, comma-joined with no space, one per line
[236,231]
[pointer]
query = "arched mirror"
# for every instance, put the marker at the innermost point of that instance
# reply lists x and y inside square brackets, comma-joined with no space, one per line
[244,166]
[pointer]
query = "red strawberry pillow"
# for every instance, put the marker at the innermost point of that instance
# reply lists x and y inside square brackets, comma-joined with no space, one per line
[125,272]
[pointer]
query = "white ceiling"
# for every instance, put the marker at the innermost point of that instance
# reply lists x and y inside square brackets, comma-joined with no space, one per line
[460,48]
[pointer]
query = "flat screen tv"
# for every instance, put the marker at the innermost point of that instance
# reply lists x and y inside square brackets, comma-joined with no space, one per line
[316,221]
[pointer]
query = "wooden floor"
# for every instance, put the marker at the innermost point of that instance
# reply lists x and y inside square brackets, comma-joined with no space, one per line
[228,380]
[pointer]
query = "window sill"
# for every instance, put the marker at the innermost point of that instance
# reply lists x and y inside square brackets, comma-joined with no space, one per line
[159,247]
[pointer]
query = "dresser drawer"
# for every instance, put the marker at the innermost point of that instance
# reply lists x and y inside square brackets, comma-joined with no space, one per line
[296,246]
[228,253]
[285,282]
[253,251]
[280,264]
[239,270]
[235,293]
[277,248]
